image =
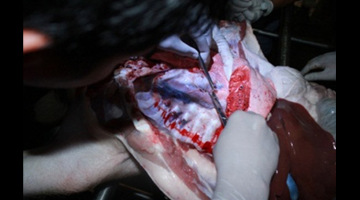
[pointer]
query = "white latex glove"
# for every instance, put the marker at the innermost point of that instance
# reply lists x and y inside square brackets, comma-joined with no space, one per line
[326,62]
[176,45]
[246,156]
[250,10]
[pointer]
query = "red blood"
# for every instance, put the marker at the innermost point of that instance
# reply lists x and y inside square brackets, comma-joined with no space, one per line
[156,104]
[195,138]
[195,70]
[239,90]
[208,147]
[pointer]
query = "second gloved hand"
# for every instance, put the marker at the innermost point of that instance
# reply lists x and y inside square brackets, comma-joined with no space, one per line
[246,156]
[325,62]
[250,10]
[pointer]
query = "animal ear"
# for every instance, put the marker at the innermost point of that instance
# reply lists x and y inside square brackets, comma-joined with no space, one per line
[34,40]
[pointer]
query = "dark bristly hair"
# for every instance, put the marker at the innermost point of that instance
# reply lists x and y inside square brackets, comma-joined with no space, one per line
[96,28]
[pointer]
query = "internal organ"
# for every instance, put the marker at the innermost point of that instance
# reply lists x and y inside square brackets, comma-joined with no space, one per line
[307,152]
[156,88]
[176,99]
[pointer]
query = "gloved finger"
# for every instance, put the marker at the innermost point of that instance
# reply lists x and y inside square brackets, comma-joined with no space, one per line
[267,7]
[314,76]
[239,17]
[257,151]
[240,5]
[328,73]
[176,45]
[327,60]
[255,135]
[311,65]
[253,15]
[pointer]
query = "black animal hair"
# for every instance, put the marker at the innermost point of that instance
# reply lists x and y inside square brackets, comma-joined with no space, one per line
[98,28]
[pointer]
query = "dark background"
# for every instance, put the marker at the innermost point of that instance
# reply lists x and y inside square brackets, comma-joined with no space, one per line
[311,22]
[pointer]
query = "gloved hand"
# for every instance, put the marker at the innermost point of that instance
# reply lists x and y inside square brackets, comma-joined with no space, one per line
[250,10]
[174,44]
[326,62]
[81,156]
[246,156]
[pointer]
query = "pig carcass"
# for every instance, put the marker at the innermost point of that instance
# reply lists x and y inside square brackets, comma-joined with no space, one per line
[165,95]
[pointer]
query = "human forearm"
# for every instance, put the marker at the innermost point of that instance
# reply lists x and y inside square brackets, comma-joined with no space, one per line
[39,176]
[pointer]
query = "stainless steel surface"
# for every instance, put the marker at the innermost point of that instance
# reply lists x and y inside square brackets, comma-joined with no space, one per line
[294,39]
[285,35]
